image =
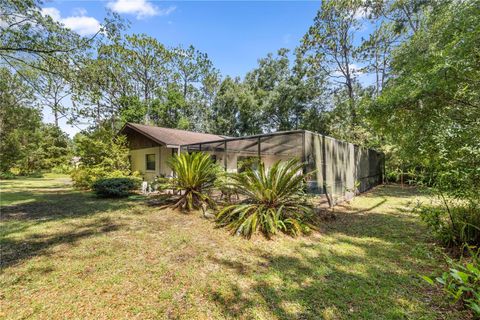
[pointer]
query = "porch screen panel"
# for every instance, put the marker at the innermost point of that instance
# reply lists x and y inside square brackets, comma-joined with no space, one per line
[335,167]
[281,147]
[242,153]
[216,150]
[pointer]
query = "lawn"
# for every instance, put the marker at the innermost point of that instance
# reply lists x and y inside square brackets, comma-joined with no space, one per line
[67,254]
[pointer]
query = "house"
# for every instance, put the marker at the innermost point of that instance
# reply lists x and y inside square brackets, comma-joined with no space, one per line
[336,168]
[151,147]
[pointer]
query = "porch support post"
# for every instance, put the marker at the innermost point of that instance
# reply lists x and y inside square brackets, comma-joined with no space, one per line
[259,149]
[225,155]
[304,156]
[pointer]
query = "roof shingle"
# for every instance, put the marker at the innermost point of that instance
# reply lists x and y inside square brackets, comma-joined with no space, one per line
[170,136]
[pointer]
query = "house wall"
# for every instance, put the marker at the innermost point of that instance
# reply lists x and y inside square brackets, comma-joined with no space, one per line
[162,155]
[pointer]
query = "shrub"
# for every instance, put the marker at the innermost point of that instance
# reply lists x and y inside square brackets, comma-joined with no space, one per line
[7,175]
[275,200]
[115,187]
[85,177]
[102,154]
[195,175]
[454,224]
[160,183]
[62,169]
[462,281]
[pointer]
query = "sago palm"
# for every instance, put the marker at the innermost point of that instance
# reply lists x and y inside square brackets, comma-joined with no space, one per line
[195,175]
[274,201]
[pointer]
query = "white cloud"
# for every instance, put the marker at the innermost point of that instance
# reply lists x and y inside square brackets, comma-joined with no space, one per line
[79,22]
[52,12]
[80,11]
[83,25]
[362,13]
[140,8]
[355,70]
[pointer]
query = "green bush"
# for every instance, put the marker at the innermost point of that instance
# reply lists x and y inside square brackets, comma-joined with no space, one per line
[195,175]
[455,224]
[275,200]
[62,169]
[462,280]
[160,183]
[85,177]
[7,175]
[102,155]
[115,187]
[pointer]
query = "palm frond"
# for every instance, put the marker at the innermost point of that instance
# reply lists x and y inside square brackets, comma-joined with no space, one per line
[195,175]
[274,201]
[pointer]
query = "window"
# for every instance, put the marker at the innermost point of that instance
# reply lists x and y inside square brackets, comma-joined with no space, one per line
[150,160]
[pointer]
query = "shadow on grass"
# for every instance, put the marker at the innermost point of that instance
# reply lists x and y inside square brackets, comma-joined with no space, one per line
[309,286]
[18,244]
[392,190]
[17,250]
[54,206]
[367,267]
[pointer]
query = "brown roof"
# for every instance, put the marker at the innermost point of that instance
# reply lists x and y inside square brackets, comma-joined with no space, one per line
[170,136]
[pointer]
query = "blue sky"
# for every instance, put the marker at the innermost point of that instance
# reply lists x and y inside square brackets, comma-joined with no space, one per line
[234,34]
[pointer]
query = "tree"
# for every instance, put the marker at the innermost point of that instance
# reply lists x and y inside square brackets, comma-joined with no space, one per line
[194,74]
[145,60]
[52,91]
[430,108]
[287,91]
[331,41]
[235,110]
[102,154]
[171,111]
[20,121]
[29,37]
[53,147]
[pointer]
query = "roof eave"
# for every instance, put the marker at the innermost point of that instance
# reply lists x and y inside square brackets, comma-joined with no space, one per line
[128,125]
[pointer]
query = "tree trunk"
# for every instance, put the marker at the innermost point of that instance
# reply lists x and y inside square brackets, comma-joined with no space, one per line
[55,115]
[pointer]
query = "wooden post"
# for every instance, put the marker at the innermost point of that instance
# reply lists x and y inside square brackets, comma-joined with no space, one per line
[225,155]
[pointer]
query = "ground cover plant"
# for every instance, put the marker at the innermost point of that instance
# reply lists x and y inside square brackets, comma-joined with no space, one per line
[462,280]
[70,254]
[275,201]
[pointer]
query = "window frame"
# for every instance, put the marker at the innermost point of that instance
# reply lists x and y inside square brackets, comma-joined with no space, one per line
[154,162]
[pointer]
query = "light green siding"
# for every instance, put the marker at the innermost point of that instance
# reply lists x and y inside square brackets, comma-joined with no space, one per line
[162,155]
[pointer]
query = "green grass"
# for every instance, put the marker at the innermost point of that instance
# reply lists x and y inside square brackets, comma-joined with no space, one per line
[67,254]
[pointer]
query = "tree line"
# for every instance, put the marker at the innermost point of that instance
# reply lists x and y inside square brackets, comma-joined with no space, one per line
[419,104]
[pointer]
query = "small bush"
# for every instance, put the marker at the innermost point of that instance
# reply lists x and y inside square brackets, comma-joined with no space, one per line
[85,177]
[195,175]
[160,183]
[115,187]
[454,225]
[462,281]
[275,201]
[62,169]
[7,175]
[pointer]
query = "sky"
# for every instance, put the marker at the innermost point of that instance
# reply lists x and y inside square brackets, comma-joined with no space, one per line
[233,34]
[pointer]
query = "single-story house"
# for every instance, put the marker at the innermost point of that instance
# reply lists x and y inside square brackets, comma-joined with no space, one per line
[337,168]
[151,147]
